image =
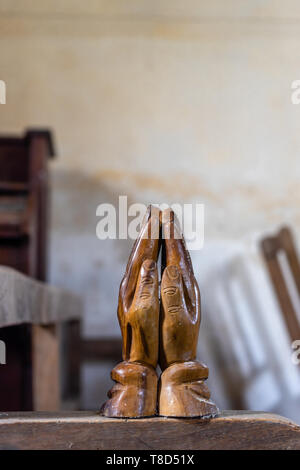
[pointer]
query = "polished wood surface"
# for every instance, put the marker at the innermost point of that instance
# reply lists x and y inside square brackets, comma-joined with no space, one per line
[180,306]
[236,430]
[138,307]
[135,392]
[165,333]
[182,391]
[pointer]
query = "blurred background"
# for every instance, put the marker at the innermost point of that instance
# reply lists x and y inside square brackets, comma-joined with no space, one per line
[170,102]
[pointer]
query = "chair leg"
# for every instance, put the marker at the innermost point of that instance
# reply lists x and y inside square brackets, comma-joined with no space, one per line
[45,368]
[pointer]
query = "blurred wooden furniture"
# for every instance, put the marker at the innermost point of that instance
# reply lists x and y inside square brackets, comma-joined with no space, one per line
[101,349]
[272,246]
[33,320]
[26,324]
[24,197]
[242,430]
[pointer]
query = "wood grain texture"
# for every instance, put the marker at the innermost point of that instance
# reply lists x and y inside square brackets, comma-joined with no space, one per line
[180,297]
[168,332]
[25,300]
[182,391]
[135,393]
[138,305]
[86,430]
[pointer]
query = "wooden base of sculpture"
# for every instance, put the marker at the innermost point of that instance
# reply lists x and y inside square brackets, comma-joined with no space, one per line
[183,393]
[135,393]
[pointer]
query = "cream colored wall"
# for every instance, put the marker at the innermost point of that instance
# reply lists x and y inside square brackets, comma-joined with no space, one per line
[165,101]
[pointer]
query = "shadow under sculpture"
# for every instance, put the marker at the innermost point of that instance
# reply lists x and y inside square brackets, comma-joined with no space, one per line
[159,330]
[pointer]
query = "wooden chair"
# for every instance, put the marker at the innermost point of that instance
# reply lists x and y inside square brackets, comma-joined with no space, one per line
[27,327]
[39,365]
[24,194]
[246,342]
[272,247]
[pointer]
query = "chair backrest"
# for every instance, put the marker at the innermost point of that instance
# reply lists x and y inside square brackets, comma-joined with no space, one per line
[24,201]
[251,352]
[272,248]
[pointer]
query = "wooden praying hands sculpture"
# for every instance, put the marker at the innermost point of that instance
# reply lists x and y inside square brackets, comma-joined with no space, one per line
[154,333]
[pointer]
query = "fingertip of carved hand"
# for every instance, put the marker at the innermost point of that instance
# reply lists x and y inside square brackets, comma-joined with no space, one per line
[168,215]
[172,272]
[149,265]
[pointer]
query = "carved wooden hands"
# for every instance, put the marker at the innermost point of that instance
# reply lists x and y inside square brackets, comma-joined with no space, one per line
[135,393]
[152,333]
[182,392]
